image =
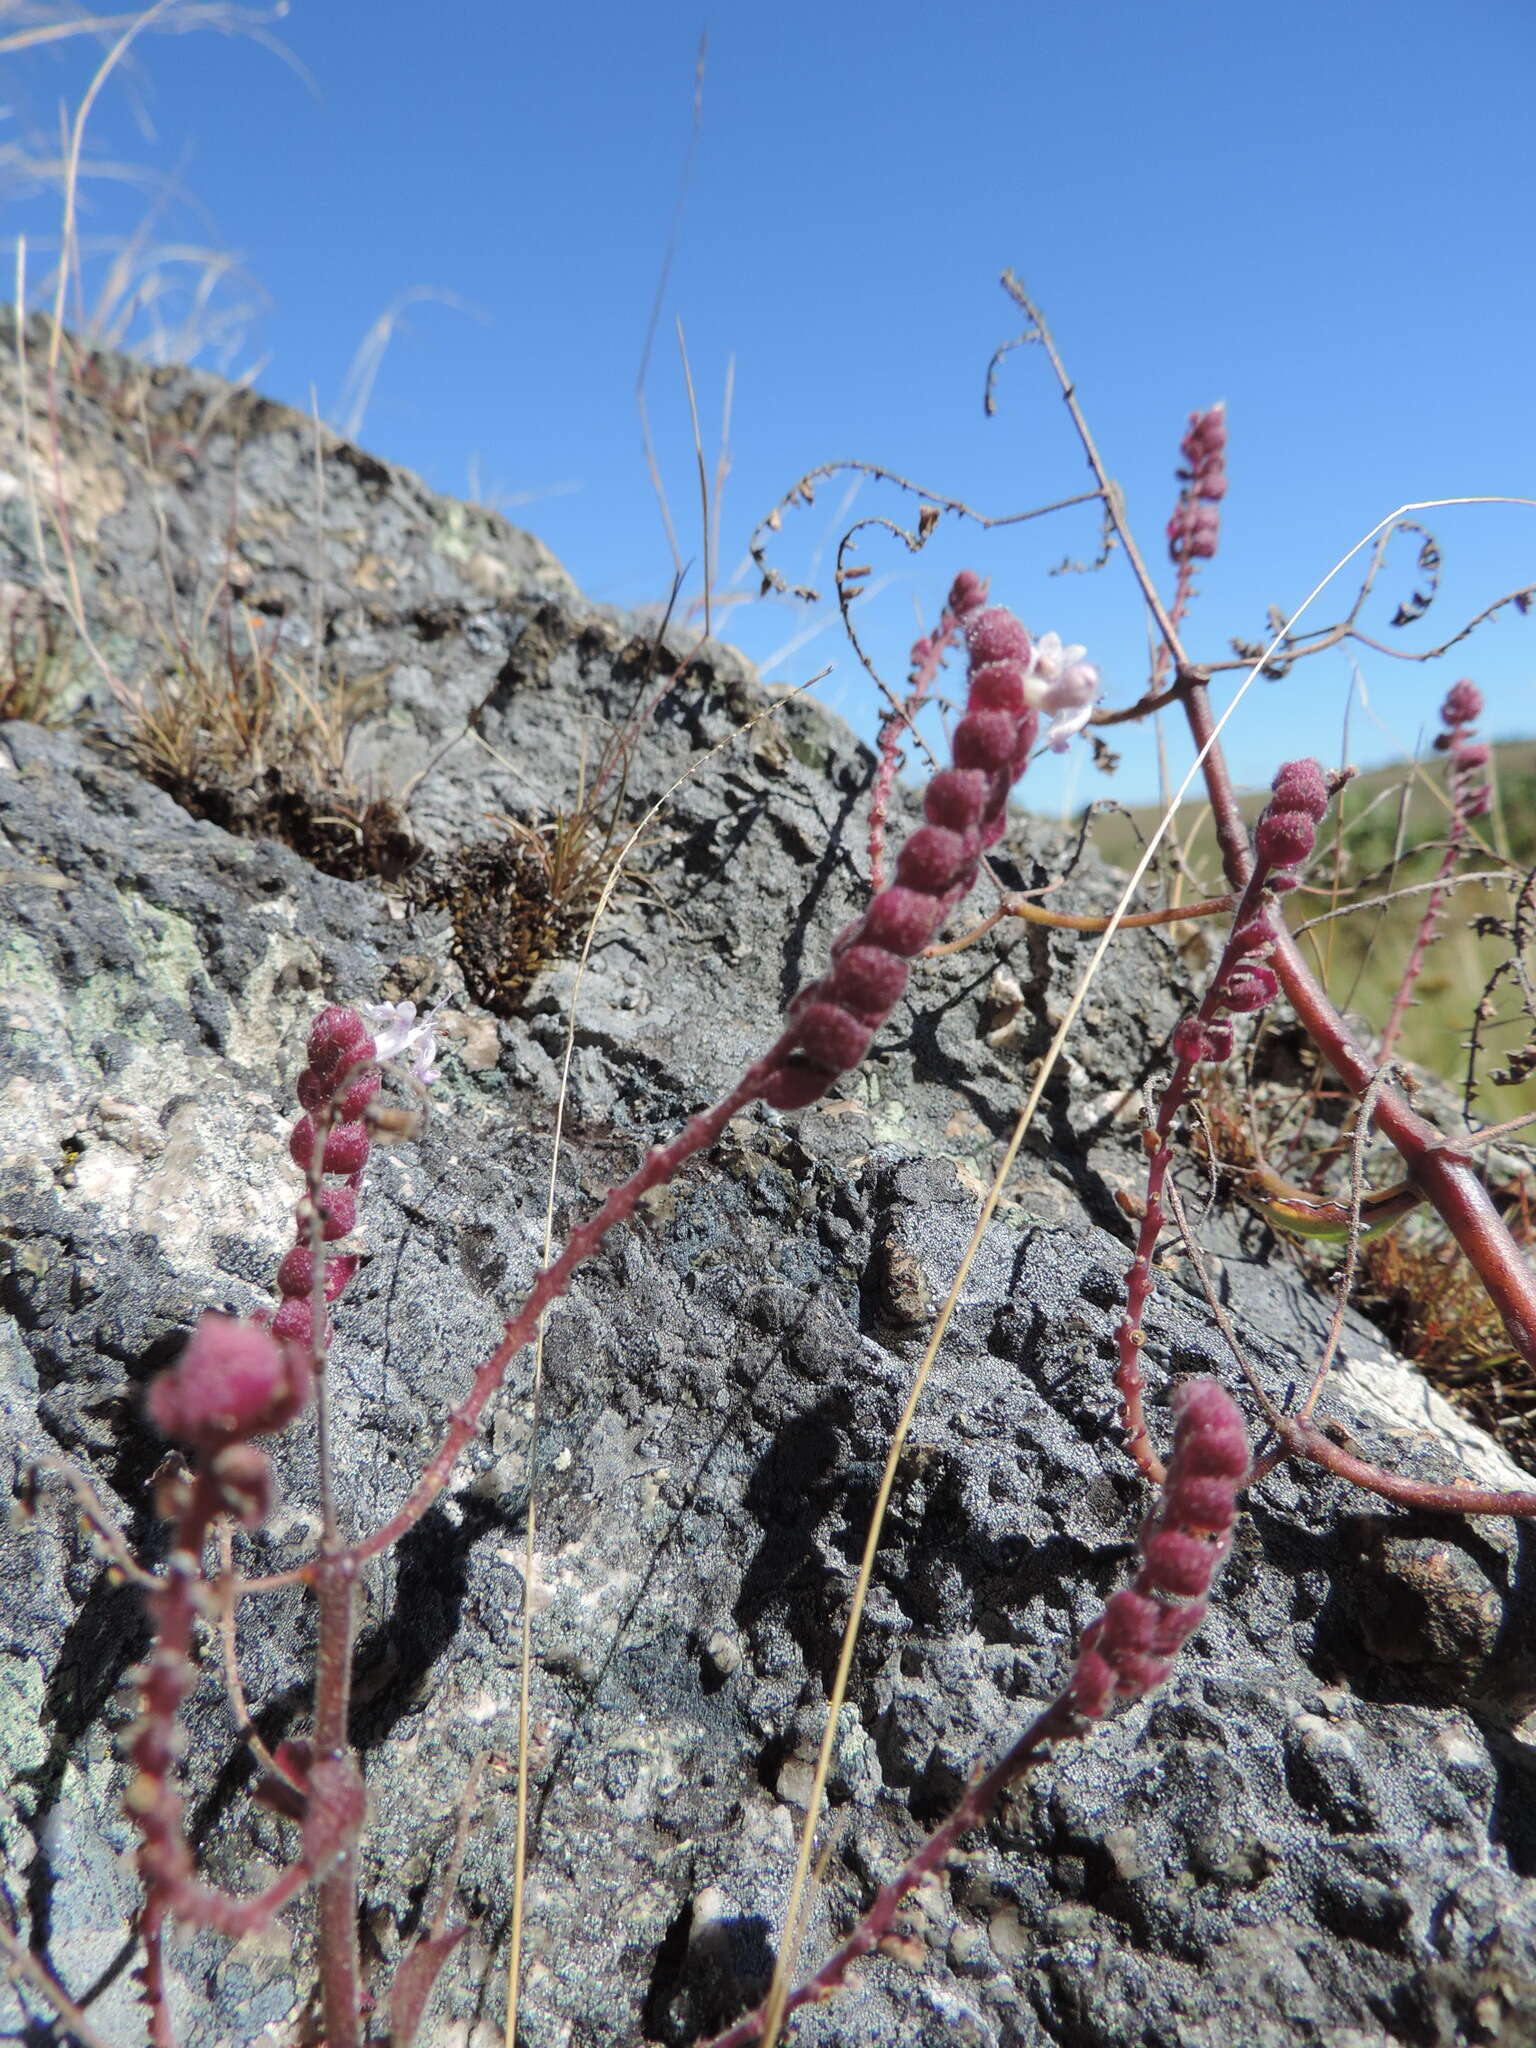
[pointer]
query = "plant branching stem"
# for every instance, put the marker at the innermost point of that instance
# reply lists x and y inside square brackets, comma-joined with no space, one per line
[1448,1181]
[1447,1178]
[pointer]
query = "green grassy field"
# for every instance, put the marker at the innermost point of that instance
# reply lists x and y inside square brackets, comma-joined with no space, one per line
[1386,838]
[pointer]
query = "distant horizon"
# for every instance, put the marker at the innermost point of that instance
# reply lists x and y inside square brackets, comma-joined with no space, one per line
[467,237]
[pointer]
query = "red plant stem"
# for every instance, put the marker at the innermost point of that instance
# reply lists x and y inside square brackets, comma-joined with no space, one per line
[1125,1654]
[341,1976]
[1447,1178]
[1131,1335]
[1301,1440]
[658,1166]
[1298,1438]
[335,1589]
[1058,1723]
[166,1863]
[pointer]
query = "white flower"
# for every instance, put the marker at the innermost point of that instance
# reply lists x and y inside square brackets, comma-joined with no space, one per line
[398,1034]
[1051,659]
[1072,716]
[1061,682]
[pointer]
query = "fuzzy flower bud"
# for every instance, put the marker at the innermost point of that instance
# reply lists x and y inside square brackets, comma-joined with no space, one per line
[346,1147]
[1284,839]
[294,1323]
[338,1037]
[338,1214]
[1463,704]
[996,635]
[296,1273]
[1301,786]
[968,593]
[1192,1042]
[1131,1647]
[1256,935]
[1248,987]
[1204,446]
[234,1380]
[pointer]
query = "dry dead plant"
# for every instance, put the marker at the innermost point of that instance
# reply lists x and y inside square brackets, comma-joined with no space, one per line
[235,731]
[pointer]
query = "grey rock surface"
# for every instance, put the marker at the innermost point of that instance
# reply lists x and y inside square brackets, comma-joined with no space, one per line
[1323,1830]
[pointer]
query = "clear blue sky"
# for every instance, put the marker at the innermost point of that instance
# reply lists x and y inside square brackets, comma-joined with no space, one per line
[1321,213]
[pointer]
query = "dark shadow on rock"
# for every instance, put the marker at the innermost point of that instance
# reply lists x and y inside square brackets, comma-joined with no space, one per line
[706,1975]
[798,1482]
[108,1635]
[1512,1822]
[834,855]
[431,1580]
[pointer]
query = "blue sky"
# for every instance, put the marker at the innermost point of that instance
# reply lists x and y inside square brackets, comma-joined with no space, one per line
[1320,213]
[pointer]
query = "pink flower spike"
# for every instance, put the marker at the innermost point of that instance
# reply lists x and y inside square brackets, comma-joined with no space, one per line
[1463,704]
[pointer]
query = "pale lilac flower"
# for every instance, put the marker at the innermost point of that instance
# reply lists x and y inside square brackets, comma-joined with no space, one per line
[1051,661]
[1072,712]
[399,1035]
[1065,685]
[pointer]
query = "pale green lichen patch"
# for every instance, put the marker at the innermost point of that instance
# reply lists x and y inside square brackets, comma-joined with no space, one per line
[168,945]
[165,1142]
[29,988]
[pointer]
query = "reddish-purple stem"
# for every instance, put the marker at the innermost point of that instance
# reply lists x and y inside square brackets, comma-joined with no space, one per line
[1124,1655]
[1447,1178]
[1468,789]
[1242,982]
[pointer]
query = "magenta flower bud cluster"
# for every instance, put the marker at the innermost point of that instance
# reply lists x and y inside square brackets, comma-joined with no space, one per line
[1469,757]
[236,1380]
[1130,1649]
[339,1081]
[1283,841]
[965,809]
[1287,832]
[1195,528]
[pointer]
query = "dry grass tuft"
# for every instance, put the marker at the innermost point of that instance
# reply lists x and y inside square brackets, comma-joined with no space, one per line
[521,900]
[1433,1308]
[239,736]
[36,657]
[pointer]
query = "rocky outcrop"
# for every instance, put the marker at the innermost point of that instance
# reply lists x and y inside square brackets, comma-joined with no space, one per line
[1324,1828]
